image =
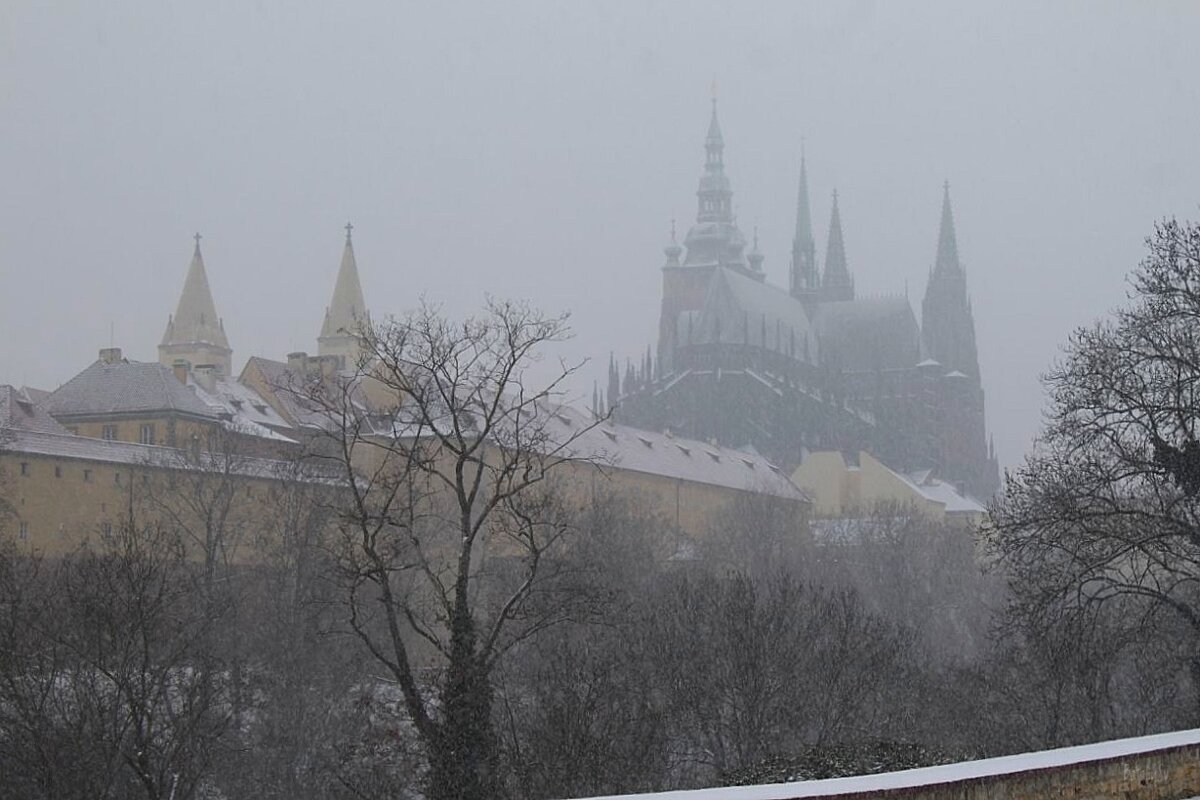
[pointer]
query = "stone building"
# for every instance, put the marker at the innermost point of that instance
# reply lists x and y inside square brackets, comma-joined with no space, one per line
[816,366]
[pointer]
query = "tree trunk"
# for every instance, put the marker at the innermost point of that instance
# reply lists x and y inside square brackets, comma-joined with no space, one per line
[463,760]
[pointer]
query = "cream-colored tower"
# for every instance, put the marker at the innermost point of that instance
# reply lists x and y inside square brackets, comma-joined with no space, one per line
[195,335]
[346,313]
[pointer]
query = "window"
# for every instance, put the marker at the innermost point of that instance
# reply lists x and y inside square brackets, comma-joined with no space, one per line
[57,471]
[108,432]
[87,476]
[117,478]
[147,435]
[106,531]
[24,467]
[24,534]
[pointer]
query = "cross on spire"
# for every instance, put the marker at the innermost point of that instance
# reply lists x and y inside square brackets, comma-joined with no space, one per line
[197,237]
[349,228]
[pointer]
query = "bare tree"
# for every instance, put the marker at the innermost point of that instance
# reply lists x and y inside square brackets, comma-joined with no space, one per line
[106,686]
[450,525]
[1107,509]
[757,668]
[919,572]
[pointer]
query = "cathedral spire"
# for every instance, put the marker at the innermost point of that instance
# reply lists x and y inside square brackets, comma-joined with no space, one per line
[195,334]
[715,239]
[947,250]
[947,324]
[715,196]
[837,283]
[805,279]
[347,311]
[714,140]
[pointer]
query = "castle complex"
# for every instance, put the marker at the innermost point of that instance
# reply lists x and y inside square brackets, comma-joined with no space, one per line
[749,382]
[121,434]
[816,366]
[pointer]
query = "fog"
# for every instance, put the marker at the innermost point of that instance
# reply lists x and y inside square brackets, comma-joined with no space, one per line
[541,150]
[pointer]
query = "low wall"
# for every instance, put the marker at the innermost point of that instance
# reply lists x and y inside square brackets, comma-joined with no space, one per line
[1161,767]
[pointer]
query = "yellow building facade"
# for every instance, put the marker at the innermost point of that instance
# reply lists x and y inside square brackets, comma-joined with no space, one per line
[845,485]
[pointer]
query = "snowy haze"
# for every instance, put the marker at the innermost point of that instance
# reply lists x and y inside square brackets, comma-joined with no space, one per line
[540,151]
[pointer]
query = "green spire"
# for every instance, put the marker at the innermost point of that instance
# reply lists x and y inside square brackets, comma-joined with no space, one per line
[837,283]
[947,250]
[804,276]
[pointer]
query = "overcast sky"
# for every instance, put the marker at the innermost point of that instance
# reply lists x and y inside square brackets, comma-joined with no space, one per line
[540,150]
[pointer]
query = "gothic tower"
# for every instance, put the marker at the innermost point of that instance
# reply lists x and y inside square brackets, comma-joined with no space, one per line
[346,312]
[195,335]
[804,279]
[947,324]
[837,283]
[713,242]
[948,330]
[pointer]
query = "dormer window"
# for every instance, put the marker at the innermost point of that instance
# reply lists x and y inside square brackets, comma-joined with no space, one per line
[612,437]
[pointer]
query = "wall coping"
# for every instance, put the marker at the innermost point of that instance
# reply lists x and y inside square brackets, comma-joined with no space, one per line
[931,776]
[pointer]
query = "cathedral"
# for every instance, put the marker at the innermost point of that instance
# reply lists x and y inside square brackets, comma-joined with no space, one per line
[784,372]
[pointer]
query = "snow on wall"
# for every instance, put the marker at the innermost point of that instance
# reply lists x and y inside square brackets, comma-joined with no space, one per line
[931,776]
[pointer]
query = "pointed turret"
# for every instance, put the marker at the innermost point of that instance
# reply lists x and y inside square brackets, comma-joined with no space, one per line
[673,250]
[755,258]
[805,280]
[195,335]
[346,313]
[614,383]
[836,283]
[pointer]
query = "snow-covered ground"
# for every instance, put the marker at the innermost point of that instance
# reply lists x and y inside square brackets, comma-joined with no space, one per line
[927,776]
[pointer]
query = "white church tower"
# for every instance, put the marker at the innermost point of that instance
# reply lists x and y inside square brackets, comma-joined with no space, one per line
[195,335]
[346,314]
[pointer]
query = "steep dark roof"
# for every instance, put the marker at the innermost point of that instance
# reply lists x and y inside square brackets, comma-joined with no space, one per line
[869,333]
[19,411]
[738,308]
[125,387]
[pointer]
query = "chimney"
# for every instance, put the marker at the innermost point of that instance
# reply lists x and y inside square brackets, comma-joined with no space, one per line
[180,368]
[298,363]
[110,355]
[205,376]
[329,366]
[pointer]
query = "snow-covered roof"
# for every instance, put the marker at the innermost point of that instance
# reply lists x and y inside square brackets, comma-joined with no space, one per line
[932,776]
[940,491]
[19,410]
[628,448]
[66,445]
[124,387]
[241,408]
